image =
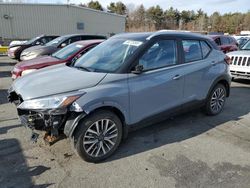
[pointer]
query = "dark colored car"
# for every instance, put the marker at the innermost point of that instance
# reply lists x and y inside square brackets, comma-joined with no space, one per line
[56,45]
[129,80]
[225,43]
[68,54]
[15,51]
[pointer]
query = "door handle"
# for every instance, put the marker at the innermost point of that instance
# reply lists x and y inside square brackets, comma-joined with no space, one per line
[177,77]
[213,63]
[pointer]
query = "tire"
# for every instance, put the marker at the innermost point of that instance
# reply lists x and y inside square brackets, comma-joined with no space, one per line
[99,133]
[216,100]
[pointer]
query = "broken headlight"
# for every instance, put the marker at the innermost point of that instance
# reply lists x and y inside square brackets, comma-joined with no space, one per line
[51,102]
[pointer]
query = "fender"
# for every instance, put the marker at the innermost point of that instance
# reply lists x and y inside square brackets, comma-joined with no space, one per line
[73,120]
[217,80]
[88,108]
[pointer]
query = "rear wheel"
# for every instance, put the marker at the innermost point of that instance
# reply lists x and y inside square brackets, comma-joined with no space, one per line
[216,100]
[98,136]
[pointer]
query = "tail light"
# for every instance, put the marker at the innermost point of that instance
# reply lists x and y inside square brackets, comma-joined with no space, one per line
[228,60]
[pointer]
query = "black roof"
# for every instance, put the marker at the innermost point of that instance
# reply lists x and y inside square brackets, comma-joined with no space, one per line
[145,35]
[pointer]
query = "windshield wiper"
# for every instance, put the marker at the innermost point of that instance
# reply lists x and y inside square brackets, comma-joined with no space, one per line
[83,68]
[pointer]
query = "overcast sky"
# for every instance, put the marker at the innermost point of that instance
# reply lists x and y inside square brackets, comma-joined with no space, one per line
[209,6]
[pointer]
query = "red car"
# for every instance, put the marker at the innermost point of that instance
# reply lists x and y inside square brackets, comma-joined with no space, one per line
[67,54]
[225,43]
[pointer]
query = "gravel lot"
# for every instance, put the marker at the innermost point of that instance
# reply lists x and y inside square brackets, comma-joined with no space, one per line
[191,150]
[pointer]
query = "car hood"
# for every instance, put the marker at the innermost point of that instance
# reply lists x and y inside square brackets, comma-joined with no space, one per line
[240,52]
[37,62]
[18,45]
[44,50]
[54,80]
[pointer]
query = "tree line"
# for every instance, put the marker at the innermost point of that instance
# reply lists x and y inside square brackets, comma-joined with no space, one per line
[155,18]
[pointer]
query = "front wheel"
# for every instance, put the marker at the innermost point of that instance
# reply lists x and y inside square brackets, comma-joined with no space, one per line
[98,136]
[216,100]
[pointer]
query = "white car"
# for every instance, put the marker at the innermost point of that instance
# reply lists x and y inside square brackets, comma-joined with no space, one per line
[17,42]
[240,62]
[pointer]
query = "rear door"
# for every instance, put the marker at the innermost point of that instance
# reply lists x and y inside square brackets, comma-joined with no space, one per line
[160,86]
[196,69]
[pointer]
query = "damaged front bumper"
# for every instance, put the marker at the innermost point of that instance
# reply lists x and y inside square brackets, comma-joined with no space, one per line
[50,122]
[54,121]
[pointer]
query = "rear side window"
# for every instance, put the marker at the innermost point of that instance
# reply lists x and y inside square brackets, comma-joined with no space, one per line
[192,50]
[205,49]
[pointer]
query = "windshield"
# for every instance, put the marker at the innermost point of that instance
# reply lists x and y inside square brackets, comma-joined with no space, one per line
[108,56]
[55,42]
[32,40]
[67,51]
[246,46]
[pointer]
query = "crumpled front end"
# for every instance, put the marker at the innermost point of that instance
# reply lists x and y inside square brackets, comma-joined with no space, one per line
[51,120]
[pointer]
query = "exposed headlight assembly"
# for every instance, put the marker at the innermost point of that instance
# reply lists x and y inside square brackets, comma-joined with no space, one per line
[52,102]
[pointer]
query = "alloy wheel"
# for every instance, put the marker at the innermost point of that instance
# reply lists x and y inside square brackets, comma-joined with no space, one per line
[217,100]
[100,137]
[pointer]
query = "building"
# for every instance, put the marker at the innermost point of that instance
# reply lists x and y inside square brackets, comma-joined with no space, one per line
[24,21]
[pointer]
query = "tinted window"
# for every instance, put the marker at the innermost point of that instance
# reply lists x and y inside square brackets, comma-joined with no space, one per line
[205,48]
[217,41]
[74,39]
[161,54]
[192,50]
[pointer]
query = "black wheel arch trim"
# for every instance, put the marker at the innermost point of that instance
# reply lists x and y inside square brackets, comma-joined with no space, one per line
[221,79]
[73,122]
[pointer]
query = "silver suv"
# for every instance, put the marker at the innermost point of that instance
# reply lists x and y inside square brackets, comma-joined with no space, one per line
[129,80]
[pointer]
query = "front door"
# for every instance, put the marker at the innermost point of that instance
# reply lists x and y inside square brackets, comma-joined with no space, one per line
[160,86]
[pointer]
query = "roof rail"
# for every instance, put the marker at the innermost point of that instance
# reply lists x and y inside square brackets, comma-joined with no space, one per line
[165,30]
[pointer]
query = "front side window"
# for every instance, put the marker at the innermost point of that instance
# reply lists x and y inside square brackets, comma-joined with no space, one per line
[160,54]
[109,55]
[192,50]
[66,52]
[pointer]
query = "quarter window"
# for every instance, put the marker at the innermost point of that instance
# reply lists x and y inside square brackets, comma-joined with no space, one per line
[192,50]
[205,48]
[161,54]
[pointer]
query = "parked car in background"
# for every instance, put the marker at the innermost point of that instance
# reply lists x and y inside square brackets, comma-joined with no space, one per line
[15,51]
[129,80]
[240,62]
[17,42]
[55,45]
[68,54]
[225,43]
[243,40]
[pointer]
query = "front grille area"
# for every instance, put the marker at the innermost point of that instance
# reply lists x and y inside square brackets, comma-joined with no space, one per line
[240,61]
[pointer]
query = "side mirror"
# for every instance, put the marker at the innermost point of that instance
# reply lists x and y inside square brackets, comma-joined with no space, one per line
[63,45]
[138,69]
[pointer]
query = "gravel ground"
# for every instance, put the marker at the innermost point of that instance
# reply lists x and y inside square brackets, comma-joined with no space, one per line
[191,150]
